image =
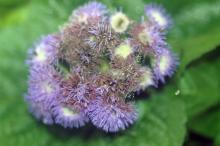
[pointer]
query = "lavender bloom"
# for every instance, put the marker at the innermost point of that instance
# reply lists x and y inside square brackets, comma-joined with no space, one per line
[43,83]
[148,38]
[88,11]
[165,64]
[158,15]
[45,52]
[102,90]
[102,37]
[42,91]
[72,103]
[91,68]
[157,39]
[71,88]
[69,117]
[41,110]
[119,22]
[147,79]
[80,92]
[111,115]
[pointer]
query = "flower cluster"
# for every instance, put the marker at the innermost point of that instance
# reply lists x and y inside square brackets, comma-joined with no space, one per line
[88,69]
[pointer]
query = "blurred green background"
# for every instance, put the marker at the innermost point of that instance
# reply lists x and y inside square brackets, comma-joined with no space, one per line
[191,118]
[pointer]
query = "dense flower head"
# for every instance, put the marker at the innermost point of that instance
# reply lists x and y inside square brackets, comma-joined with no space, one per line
[43,83]
[45,52]
[110,114]
[92,67]
[158,15]
[68,116]
[119,22]
[165,64]
[93,10]
[41,111]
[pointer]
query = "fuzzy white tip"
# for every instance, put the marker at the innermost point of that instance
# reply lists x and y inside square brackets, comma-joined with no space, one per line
[119,22]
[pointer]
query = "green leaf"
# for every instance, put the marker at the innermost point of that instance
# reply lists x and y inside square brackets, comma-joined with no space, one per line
[196,30]
[217,140]
[14,17]
[208,123]
[206,98]
[199,85]
[9,3]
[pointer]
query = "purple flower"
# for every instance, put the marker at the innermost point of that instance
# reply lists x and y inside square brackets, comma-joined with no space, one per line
[69,112]
[164,64]
[80,92]
[119,22]
[72,88]
[43,90]
[88,11]
[147,38]
[41,110]
[147,79]
[158,15]
[45,51]
[111,115]
[102,37]
[91,68]
[43,83]
[102,90]
[69,116]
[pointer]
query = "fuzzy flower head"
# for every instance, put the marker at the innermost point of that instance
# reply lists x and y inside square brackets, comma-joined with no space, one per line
[102,37]
[42,92]
[45,52]
[92,68]
[147,38]
[147,79]
[43,83]
[69,117]
[41,111]
[158,15]
[165,64]
[119,22]
[123,50]
[111,115]
[92,10]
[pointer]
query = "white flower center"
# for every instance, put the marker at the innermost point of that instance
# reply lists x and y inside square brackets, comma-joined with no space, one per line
[164,64]
[82,18]
[119,22]
[159,18]
[47,88]
[67,112]
[40,53]
[147,79]
[145,37]
[123,50]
